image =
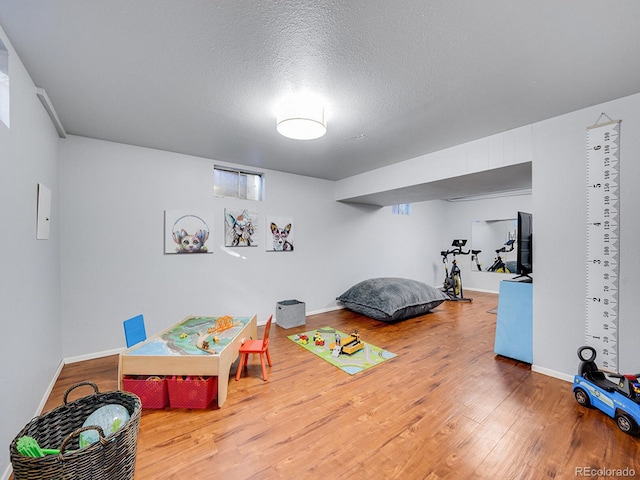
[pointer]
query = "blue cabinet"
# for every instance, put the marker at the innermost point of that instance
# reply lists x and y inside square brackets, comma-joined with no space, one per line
[514,326]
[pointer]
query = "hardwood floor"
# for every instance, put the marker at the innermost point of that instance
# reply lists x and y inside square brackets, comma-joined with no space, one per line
[445,407]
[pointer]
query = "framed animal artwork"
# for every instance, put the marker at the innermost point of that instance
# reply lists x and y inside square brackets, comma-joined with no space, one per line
[240,228]
[187,231]
[279,234]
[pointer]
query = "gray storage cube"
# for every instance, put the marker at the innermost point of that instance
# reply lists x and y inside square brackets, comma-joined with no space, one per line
[290,313]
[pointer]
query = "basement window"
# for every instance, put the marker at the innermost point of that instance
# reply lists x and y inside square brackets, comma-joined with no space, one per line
[4,84]
[228,182]
[401,209]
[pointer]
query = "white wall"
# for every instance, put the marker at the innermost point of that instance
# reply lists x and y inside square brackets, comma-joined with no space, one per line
[113,267]
[29,285]
[504,149]
[557,149]
[118,194]
[107,234]
[559,186]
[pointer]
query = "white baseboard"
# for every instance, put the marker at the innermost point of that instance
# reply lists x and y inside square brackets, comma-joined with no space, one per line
[552,373]
[93,356]
[324,310]
[49,388]
[316,312]
[480,290]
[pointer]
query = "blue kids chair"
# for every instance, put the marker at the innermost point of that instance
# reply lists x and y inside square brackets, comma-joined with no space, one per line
[134,330]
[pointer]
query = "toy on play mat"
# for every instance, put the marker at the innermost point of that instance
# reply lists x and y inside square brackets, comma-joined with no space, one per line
[341,345]
[349,344]
[346,351]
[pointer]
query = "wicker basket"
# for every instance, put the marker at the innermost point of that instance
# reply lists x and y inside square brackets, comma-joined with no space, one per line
[111,458]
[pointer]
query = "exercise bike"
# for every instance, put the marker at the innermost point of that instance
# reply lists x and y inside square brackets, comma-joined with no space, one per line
[498,265]
[475,257]
[452,285]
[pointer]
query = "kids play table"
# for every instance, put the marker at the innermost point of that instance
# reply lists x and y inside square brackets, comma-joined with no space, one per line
[174,351]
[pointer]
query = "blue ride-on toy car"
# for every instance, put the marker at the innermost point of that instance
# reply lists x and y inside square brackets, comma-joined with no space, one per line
[616,395]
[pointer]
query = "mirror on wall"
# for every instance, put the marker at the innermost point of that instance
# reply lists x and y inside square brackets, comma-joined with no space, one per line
[494,246]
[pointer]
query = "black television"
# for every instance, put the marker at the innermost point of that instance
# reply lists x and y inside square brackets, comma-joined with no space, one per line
[524,257]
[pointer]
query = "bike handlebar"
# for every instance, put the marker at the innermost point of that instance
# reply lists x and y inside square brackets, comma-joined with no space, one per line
[454,252]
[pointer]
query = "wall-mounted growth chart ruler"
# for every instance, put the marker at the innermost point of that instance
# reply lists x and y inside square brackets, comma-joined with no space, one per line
[603,242]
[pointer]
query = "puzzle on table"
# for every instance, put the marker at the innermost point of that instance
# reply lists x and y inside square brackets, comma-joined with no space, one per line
[195,336]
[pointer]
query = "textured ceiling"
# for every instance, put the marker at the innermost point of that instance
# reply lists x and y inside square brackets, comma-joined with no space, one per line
[399,78]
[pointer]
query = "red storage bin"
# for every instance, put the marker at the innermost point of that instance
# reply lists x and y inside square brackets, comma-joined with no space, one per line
[152,390]
[192,392]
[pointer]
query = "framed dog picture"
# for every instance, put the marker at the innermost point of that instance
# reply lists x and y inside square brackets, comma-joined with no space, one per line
[240,228]
[279,234]
[187,231]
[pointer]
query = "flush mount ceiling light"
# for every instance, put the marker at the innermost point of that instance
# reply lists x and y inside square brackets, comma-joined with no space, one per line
[301,118]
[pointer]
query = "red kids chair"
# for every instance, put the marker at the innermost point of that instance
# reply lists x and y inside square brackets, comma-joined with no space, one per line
[260,347]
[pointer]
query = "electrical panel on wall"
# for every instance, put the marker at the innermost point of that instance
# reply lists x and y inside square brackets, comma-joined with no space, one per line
[44,212]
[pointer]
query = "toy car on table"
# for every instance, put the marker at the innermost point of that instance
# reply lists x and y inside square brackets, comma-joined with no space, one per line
[616,395]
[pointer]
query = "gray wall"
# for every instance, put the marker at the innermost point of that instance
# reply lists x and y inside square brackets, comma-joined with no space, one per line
[113,267]
[107,241]
[29,286]
[559,203]
[113,198]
